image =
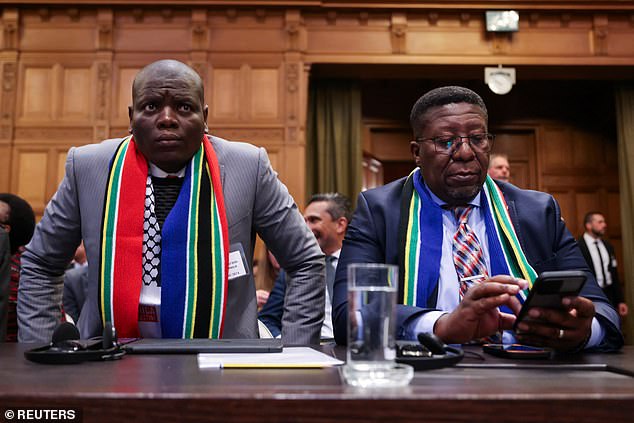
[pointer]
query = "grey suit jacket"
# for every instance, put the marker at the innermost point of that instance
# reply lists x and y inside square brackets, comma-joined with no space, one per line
[255,201]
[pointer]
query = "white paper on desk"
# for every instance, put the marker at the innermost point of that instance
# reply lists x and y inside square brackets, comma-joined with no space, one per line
[290,357]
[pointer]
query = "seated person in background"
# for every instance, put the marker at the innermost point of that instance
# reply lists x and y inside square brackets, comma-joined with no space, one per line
[448,223]
[18,220]
[75,285]
[75,291]
[265,271]
[79,259]
[327,215]
[164,215]
[499,167]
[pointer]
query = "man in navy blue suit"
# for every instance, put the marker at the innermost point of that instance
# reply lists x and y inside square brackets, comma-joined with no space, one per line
[327,216]
[515,234]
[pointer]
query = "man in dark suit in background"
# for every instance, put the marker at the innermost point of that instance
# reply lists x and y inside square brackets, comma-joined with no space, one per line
[599,255]
[448,225]
[327,215]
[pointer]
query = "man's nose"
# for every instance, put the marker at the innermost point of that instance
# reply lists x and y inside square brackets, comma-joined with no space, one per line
[167,118]
[464,151]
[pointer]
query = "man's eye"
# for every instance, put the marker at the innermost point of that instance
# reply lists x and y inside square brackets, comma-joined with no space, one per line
[477,139]
[150,107]
[186,108]
[444,142]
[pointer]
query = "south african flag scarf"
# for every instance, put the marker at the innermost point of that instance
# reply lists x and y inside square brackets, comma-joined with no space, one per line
[421,236]
[194,247]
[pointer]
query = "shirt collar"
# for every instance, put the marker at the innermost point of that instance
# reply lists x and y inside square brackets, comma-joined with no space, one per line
[589,238]
[160,173]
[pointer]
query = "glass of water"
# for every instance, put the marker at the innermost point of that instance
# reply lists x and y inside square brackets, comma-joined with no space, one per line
[371,353]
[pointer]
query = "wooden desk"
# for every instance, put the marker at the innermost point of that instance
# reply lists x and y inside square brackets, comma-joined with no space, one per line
[172,388]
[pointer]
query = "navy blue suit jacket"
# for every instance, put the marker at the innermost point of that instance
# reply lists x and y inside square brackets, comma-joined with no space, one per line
[273,310]
[372,237]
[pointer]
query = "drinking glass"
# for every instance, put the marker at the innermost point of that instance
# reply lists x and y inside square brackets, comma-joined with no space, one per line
[371,352]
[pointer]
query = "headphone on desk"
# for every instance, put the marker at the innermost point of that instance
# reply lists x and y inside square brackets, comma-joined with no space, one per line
[66,347]
[430,352]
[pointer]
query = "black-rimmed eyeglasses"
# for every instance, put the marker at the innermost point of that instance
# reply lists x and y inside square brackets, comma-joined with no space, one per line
[481,143]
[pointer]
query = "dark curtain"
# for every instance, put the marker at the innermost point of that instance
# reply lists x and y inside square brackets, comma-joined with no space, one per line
[333,138]
[625,133]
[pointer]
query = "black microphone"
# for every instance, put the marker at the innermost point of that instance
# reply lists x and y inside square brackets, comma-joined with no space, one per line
[67,347]
[432,343]
[65,332]
[65,337]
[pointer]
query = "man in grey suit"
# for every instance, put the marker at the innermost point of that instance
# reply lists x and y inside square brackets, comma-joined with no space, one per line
[140,236]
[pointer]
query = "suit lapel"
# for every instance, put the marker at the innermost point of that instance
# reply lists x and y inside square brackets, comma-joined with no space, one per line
[516,222]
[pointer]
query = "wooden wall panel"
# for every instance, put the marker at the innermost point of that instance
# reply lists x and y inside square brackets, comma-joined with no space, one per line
[612,210]
[5,166]
[265,94]
[233,40]
[564,42]
[122,88]
[37,93]
[555,149]
[72,38]
[391,144]
[226,94]
[77,95]
[586,150]
[31,172]
[622,45]
[160,39]
[346,42]
[437,41]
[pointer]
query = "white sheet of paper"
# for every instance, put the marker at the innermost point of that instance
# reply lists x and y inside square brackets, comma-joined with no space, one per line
[290,357]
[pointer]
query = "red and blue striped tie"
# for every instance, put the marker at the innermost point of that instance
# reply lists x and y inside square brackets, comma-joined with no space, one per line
[467,251]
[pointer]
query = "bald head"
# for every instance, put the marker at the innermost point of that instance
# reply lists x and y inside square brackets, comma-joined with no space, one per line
[168,69]
[168,115]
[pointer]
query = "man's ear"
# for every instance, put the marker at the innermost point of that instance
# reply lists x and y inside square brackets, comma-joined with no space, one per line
[414,147]
[130,117]
[342,225]
[205,114]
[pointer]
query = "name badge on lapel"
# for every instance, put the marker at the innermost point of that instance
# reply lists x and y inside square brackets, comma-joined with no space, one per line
[237,262]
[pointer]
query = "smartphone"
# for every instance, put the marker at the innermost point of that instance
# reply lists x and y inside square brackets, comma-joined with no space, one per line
[550,288]
[516,351]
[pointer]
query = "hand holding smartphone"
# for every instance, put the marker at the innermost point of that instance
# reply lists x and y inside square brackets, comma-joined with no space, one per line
[549,289]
